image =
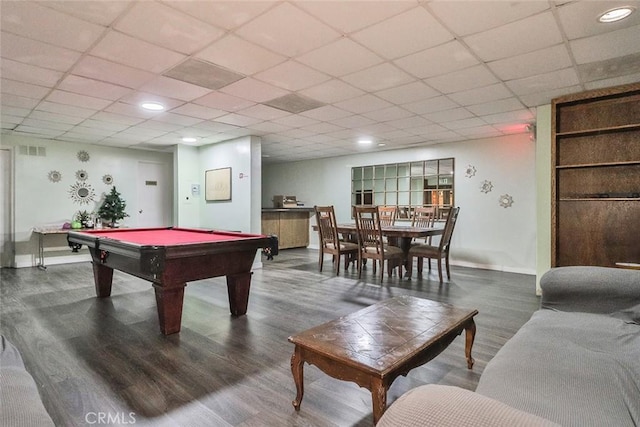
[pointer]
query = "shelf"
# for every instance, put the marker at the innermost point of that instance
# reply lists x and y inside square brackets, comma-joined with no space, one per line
[599,130]
[596,165]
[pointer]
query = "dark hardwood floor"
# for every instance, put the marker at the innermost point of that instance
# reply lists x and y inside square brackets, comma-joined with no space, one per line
[94,356]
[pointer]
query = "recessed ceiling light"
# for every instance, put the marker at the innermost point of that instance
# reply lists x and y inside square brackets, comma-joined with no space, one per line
[189,139]
[381,144]
[616,14]
[364,141]
[153,106]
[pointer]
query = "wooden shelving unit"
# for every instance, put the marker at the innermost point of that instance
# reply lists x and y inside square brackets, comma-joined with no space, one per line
[595,218]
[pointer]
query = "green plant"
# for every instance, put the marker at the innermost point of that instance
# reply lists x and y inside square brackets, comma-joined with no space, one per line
[83,216]
[112,209]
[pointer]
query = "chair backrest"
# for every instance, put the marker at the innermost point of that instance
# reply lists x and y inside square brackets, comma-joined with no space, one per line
[327,231]
[368,228]
[452,217]
[423,217]
[387,215]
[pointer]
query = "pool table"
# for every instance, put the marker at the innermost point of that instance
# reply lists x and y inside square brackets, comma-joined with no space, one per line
[171,257]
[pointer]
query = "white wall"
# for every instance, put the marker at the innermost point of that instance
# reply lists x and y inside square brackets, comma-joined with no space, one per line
[187,205]
[40,202]
[543,190]
[486,236]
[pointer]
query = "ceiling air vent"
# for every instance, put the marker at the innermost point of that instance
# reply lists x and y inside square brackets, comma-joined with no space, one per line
[203,74]
[294,103]
[30,150]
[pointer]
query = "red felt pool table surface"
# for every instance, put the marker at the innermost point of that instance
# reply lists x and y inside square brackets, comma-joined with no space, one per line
[171,257]
[169,236]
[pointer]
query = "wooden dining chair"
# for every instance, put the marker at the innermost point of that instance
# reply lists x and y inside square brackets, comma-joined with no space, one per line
[371,243]
[438,252]
[330,242]
[388,215]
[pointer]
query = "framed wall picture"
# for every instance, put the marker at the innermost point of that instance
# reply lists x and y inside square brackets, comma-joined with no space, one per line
[217,184]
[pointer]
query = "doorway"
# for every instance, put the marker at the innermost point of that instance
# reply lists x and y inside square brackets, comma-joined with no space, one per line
[154,195]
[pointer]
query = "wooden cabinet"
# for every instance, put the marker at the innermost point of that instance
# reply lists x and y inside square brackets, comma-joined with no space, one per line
[290,225]
[596,177]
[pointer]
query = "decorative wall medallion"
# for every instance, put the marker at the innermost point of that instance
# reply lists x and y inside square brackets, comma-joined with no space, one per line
[82,175]
[471,171]
[83,156]
[82,193]
[55,176]
[486,186]
[506,201]
[107,179]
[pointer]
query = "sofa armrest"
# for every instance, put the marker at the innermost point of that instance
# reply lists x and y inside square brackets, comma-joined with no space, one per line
[601,290]
[447,406]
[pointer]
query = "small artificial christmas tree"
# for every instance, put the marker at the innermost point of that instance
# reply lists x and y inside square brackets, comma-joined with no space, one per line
[113,208]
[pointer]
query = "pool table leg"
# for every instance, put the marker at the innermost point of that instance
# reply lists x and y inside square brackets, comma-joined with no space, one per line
[102,278]
[238,288]
[169,303]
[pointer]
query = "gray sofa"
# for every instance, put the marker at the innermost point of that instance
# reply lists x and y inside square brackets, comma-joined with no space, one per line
[20,404]
[576,362]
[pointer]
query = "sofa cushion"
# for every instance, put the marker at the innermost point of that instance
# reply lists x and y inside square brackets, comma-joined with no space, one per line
[447,406]
[579,369]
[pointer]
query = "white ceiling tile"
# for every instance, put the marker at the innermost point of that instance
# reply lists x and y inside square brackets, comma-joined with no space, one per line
[224,14]
[406,33]
[125,109]
[166,27]
[37,53]
[321,128]
[516,38]
[263,112]
[222,101]
[457,81]
[328,112]
[341,57]
[469,17]
[107,71]
[99,12]
[39,132]
[154,124]
[292,76]
[350,16]
[47,25]
[471,122]
[90,87]
[198,111]
[411,92]
[23,89]
[28,73]
[177,119]
[295,121]
[363,104]
[378,77]
[15,111]
[438,103]
[54,117]
[485,131]
[145,132]
[18,101]
[386,114]
[448,115]
[253,90]
[176,89]
[520,116]
[78,100]
[532,63]
[574,15]
[598,84]
[117,118]
[287,30]
[212,127]
[426,130]
[332,91]
[238,119]
[494,107]
[102,125]
[545,96]
[126,50]
[240,56]
[552,80]
[268,127]
[68,110]
[438,60]
[409,122]
[85,133]
[606,46]
[45,124]
[481,94]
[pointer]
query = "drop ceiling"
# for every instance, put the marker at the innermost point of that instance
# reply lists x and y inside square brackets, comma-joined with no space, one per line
[310,78]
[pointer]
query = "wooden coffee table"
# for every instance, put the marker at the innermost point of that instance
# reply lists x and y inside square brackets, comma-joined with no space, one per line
[375,345]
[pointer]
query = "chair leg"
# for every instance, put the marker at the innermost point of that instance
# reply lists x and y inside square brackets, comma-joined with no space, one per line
[321,259]
[359,266]
[429,261]
[382,270]
[448,271]
[409,266]
[420,264]
[337,263]
[439,261]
